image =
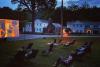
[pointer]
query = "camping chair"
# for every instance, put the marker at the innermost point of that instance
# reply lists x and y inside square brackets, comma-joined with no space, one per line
[65,61]
[83,50]
[49,50]
[31,54]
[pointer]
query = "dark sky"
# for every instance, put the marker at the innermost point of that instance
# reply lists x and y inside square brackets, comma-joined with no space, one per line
[7,3]
[79,2]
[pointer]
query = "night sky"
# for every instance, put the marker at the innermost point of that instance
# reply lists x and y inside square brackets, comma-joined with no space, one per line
[7,3]
[80,2]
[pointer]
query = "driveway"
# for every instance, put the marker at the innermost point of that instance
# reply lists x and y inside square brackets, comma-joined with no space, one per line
[32,36]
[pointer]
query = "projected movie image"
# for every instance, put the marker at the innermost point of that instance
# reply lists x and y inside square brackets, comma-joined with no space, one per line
[9,28]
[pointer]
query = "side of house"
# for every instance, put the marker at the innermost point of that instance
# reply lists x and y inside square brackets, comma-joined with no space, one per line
[84,27]
[42,27]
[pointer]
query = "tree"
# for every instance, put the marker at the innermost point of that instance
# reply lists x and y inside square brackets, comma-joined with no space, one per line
[73,7]
[85,5]
[34,5]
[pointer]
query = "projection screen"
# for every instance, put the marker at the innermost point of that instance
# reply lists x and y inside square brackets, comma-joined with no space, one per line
[9,28]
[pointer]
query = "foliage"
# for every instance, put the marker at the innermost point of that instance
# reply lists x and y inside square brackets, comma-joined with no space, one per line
[7,13]
[82,14]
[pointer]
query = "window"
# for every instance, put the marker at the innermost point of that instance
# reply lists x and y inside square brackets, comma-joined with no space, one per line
[40,24]
[37,24]
[81,25]
[73,25]
[81,31]
[87,26]
[37,29]
[40,29]
[44,24]
[96,26]
[77,25]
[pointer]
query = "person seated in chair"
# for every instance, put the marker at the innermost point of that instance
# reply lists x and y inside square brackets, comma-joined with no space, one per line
[29,51]
[24,52]
[29,46]
[80,50]
[20,55]
[31,54]
[50,48]
[65,61]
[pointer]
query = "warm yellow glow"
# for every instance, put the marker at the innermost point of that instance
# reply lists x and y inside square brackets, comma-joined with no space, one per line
[89,31]
[9,28]
[65,34]
[65,37]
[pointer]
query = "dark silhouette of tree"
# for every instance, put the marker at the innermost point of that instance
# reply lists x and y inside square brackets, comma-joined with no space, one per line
[73,7]
[81,14]
[8,13]
[85,5]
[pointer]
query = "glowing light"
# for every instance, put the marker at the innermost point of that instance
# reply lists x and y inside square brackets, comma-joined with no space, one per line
[65,34]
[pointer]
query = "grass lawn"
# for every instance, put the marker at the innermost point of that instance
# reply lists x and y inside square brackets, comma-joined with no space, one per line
[9,48]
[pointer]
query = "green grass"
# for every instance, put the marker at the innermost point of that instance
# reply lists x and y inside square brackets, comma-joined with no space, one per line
[9,48]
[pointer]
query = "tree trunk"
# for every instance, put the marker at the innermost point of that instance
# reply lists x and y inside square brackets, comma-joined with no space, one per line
[33,15]
[33,19]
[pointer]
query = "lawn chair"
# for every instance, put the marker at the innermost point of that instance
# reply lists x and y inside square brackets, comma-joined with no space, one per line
[31,54]
[83,50]
[49,50]
[26,53]
[65,61]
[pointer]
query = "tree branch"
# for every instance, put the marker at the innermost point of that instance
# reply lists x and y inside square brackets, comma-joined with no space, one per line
[25,4]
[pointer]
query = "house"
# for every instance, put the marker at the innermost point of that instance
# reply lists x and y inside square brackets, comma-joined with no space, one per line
[57,28]
[76,27]
[84,27]
[39,25]
[27,27]
[42,26]
[53,28]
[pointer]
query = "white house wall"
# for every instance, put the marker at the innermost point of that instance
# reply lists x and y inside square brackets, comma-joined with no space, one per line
[76,26]
[39,25]
[79,27]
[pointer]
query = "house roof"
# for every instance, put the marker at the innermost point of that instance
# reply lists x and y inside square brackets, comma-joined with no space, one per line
[56,24]
[46,21]
[42,20]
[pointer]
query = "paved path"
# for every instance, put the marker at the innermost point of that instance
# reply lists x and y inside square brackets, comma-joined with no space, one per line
[31,36]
